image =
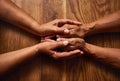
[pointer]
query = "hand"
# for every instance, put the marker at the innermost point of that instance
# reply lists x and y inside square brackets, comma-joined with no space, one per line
[74,43]
[77,31]
[55,27]
[49,47]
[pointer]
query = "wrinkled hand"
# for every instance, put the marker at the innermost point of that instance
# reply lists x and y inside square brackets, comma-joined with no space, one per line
[74,43]
[58,27]
[55,27]
[77,31]
[49,47]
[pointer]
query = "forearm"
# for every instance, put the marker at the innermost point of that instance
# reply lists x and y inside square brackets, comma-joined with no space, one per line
[10,13]
[110,23]
[106,55]
[10,60]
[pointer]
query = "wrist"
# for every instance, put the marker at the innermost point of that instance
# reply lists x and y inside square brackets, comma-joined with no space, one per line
[90,49]
[90,27]
[36,48]
[36,28]
[40,48]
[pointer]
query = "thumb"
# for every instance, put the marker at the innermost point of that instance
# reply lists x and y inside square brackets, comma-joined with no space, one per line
[62,31]
[59,44]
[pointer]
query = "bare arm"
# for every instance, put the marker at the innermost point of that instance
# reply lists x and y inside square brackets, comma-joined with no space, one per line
[10,60]
[11,13]
[110,56]
[110,23]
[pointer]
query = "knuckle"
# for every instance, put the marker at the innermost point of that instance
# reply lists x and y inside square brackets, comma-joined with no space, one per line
[82,40]
[72,32]
[59,44]
[66,25]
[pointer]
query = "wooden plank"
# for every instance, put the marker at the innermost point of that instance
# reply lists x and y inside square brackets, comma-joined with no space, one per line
[13,38]
[86,11]
[52,70]
[42,68]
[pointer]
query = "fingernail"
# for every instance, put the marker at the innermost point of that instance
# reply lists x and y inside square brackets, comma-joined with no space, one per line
[81,52]
[57,36]
[65,43]
[66,31]
[58,39]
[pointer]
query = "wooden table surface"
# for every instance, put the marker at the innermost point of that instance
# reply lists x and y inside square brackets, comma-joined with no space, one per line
[44,68]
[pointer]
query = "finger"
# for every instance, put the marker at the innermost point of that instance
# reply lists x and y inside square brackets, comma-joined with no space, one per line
[42,38]
[58,36]
[59,44]
[60,31]
[62,36]
[68,21]
[81,52]
[65,21]
[69,26]
[65,42]
[61,39]
[49,37]
[66,54]
[66,30]
[47,40]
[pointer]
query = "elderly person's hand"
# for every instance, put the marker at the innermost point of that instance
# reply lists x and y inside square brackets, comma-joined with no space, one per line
[55,27]
[50,47]
[74,44]
[77,30]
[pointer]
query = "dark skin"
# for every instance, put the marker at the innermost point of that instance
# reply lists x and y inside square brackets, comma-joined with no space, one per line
[57,28]
[110,23]
[110,56]
[23,20]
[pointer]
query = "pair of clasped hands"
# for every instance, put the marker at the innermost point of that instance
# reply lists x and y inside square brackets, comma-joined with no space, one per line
[62,38]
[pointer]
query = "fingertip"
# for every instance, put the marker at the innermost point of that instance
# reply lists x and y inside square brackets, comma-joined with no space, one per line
[58,36]
[77,22]
[77,51]
[66,31]
[61,39]
[65,43]
[58,39]
[62,43]
[61,31]
[81,52]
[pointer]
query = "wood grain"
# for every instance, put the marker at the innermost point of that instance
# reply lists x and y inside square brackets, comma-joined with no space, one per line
[44,68]
[87,11]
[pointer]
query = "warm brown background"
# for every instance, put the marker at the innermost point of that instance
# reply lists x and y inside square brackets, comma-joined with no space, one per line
[44,68]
